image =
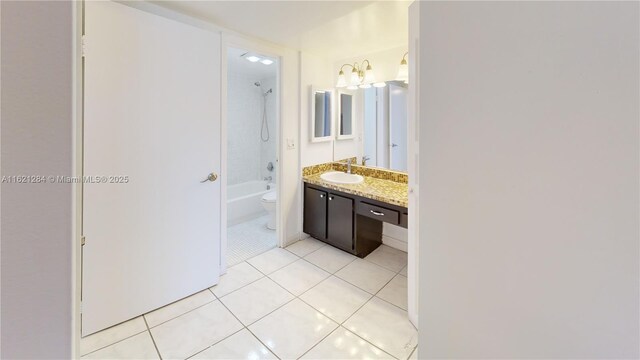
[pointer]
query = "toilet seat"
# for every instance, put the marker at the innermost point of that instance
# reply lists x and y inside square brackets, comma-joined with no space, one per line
[269,197]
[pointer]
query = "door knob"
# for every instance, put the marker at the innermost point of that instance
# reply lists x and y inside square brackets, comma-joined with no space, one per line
[211,177]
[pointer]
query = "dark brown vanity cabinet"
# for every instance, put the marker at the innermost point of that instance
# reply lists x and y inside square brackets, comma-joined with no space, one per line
[315,213]
[340,222]
[349,222]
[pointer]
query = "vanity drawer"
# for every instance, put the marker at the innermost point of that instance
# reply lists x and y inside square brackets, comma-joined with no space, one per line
[379,213]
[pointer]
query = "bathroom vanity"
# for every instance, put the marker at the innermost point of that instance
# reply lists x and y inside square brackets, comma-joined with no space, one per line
[350,216]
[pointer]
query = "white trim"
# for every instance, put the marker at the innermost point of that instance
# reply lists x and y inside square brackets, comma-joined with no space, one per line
[413,148]
[312,114]
[76,193]
[223,155]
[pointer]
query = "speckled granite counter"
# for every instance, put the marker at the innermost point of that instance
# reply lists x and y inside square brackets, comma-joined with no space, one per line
[379,184]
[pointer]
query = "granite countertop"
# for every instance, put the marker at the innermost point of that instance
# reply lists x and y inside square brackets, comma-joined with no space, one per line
[388,191]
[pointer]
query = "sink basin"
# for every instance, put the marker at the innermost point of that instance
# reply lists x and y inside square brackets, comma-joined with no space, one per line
[341,177]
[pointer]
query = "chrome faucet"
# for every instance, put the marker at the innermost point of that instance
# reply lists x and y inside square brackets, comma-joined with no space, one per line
[349,166]
[364,160]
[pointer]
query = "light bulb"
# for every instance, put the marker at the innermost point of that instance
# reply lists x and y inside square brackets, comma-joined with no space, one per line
[403,71]
[365,86]
[355,79]
[342,82]
[368,75]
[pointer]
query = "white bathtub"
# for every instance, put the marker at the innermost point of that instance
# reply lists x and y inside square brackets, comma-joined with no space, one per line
[243,201]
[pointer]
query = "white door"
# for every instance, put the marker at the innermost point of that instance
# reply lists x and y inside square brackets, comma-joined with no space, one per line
[152,128]
[397,127]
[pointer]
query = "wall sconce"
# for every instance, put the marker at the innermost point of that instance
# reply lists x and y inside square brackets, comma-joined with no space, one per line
[361,77]
[403,70]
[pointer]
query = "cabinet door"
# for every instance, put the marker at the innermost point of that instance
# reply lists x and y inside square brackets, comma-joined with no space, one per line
[340,224]
[315,213]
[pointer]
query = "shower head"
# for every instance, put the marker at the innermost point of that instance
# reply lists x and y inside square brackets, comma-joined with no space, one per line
[257,83]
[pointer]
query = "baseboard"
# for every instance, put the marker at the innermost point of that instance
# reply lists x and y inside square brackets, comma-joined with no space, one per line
[295,238]
[394,243]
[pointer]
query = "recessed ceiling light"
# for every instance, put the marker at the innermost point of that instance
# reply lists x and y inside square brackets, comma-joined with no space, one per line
[252,58]
[266,61]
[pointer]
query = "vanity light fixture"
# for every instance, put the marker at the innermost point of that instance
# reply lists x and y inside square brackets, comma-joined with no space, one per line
[361,76]
[403,70]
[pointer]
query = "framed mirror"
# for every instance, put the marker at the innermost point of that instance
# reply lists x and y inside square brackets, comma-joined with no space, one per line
[380,126]
[384,123]
[321,114]
[346,115]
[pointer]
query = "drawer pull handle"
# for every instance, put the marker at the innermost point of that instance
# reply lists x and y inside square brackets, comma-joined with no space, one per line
[377,213]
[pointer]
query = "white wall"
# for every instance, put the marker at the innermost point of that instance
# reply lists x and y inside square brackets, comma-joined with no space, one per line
[314,70]
[529,152]
[36,219]
[247,154]
[291,184]
[385,63]
[244,114]
[268,148]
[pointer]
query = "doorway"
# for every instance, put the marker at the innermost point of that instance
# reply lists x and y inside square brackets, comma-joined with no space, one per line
[252,109]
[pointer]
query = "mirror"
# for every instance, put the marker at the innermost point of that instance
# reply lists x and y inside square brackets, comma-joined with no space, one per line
[346,115]
[321,114]
[380,126]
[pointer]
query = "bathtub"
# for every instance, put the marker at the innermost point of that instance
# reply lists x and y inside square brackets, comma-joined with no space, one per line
[243,200]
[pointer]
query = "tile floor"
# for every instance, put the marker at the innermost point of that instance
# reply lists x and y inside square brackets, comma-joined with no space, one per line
[308,301]
[248,239]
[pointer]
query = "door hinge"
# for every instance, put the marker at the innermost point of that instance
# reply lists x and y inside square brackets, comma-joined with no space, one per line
[82,241]
[84,45]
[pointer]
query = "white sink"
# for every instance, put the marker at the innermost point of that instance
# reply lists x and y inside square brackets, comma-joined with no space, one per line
[339,177]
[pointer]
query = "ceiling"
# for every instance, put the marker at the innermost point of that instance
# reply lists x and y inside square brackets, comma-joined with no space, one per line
[336,29]
[255,70]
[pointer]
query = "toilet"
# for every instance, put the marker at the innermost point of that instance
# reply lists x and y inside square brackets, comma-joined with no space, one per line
[269,203]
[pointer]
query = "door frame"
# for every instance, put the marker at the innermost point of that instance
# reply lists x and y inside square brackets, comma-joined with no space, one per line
[229,41]
[77,171]
[78,143]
